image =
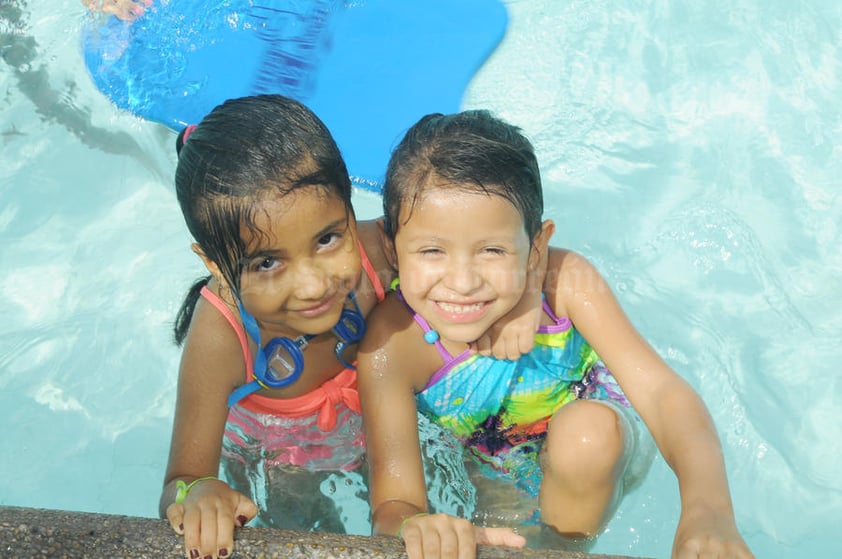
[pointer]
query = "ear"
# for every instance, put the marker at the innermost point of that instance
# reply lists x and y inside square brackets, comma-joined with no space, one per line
[541,244]
[388,244]
[209,264]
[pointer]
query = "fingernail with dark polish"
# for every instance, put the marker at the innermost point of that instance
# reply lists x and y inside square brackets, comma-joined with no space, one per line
[242,520]
[194,554]
[181,527]
[223,552]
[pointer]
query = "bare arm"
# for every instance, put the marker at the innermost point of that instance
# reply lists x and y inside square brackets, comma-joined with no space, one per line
[673,412]
[393,363]
[211,363]
[387,395]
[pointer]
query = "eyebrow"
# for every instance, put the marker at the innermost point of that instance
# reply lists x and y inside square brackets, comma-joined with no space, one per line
[332,226]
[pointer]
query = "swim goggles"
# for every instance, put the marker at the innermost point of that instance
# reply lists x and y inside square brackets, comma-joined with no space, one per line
[281,361]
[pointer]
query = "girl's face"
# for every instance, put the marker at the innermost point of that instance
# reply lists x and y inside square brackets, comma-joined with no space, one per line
[462,259]
[301,265]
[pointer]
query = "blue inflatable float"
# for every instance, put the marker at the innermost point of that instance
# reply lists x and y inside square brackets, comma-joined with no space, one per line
[368,68]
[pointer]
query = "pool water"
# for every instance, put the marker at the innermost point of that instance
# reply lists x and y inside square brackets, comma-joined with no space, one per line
[690,149]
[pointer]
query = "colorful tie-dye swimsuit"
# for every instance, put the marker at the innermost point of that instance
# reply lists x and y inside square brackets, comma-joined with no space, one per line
[500,409]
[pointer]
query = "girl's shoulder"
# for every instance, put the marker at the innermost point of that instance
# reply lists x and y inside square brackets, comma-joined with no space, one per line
[391,327]
[213,346]
[564,259]
[390,318]
[394,338]
[570,276]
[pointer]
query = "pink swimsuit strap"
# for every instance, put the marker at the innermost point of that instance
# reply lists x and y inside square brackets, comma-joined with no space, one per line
[220,305]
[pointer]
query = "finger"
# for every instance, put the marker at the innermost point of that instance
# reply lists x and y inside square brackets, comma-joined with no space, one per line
[411,535]
[513,349]
[175,514]
[192,531]
[508,349]
[498,349]
[449,545]
[467,540]
[224,535]
[209,531]
[499,536]
[431,545]
[245,511]
[526,343]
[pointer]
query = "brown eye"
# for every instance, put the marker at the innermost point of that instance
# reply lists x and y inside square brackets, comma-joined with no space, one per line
[266,264]
[329,240]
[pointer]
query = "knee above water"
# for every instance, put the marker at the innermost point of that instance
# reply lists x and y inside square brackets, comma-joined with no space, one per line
[584,437]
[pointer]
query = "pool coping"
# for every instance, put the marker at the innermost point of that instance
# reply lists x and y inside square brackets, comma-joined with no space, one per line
[53,534]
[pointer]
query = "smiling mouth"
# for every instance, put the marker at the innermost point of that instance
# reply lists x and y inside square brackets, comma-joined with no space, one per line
[460,309]
[318,309]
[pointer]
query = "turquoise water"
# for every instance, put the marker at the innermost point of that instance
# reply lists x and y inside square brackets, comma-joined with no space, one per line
[690,149]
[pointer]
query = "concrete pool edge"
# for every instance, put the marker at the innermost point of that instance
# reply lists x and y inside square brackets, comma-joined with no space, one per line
[53,534]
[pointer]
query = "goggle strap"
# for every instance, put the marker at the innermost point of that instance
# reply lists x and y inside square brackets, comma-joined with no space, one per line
[260,362]
[250,325]
[244,390]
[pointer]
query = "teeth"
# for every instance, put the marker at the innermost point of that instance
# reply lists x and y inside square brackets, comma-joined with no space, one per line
[459,309]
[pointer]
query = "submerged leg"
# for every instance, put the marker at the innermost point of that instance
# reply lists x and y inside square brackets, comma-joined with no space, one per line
[583,460]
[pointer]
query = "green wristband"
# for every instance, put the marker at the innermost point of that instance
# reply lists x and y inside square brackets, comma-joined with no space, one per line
[182,489]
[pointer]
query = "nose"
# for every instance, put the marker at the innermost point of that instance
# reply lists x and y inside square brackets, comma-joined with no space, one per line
[462,276]
[311,281]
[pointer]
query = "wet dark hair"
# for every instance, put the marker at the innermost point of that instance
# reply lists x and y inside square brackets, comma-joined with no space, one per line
[244,150]
[472,151]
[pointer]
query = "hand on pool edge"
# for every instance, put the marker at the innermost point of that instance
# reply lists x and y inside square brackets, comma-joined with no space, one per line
[505,537]
[442,536]
[126,10]
[207,518]
[709,533]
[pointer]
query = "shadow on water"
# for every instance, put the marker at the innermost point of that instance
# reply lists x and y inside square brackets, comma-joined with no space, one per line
[19,50]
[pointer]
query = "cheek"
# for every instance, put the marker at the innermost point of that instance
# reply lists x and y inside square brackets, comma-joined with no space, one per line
[349,266]
[506,278]
[251,286]
[418,276]
[262,290]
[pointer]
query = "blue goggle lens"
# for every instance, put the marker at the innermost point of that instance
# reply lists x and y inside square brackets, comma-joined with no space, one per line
[284,362]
